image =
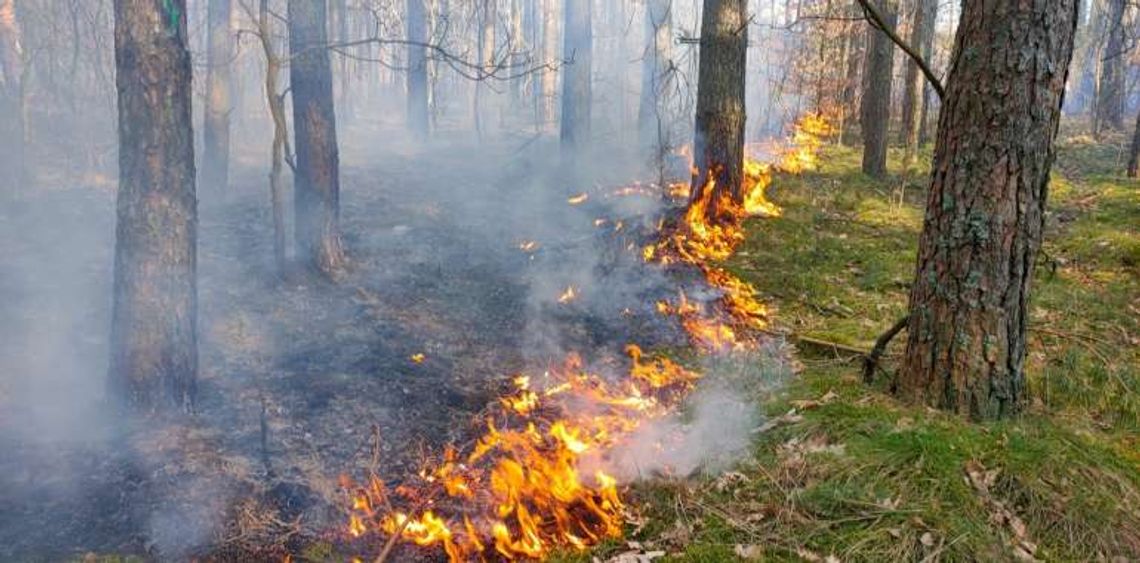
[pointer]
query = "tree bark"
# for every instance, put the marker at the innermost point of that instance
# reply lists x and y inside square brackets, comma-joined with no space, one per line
[219,84]
[416,20]
[486,42]
[875,109]
[549,52]
[13,128]
[577,86]
[316,183]
[718,136]
[276,103]
[1110,103]
[921,28]
[154,347]
[1134,151]
[931,20]
[986,206]
[655,77]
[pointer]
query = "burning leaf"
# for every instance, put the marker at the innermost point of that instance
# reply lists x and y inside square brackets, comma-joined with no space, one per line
[418,358]
[569,295]
[578,199]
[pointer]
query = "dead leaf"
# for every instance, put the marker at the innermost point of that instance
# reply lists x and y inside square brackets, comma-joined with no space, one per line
[927,539]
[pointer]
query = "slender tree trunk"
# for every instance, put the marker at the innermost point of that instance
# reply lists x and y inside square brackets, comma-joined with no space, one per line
[12,89]
[219,84]
[518,52]
[1134,151]
[1110,104]
[852,94]
[913,82]
[416,19]
[986,207]
[655,74]
[316,183]
[930,19]
[276,104]
[154,346]
[486,60]
[549,53]
[577,86]
[720,117]
[875,110]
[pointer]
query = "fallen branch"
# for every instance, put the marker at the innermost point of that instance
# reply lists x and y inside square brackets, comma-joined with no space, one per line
[871,361]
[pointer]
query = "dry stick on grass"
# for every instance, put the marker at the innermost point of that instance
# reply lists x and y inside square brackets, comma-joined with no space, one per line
[871,361]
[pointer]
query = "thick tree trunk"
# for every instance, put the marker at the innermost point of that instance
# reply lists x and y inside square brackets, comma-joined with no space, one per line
[875,110]
[655,75]
[1110,103]
[416,20]
[316,184]
[719,132]
[219,84]
[986,207]
[154,347]
[577,86]
[1134,151]
[12,126]
[921,28]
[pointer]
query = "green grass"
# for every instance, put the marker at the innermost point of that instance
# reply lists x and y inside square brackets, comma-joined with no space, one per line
[864,477]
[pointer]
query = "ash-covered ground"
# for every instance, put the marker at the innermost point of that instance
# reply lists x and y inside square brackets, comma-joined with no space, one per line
[303,379]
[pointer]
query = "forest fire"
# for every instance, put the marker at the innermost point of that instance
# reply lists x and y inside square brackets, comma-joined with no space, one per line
[524,488]
[537,478]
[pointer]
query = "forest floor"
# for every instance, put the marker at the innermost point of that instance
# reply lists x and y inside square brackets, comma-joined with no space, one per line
[849,473]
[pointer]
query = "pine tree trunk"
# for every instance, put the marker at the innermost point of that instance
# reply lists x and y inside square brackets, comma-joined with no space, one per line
[316,184]
[416,20]
[1134,151]
[1110,105]
[875,110]
[154,347]
[986,206]
[549,54]
[914,81]
[12,126]
[655,76]
[931,20]
[719,133]
[219,84]
[577,86]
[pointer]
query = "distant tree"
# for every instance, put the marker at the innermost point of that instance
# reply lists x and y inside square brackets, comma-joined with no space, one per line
[969,304]
[921,35]
[1111,94]
[486,44]
[219,87]
[1134,152]
[316,181]
[655,75]
[577,87]
[416,21]
[154,346]
[549,80]
[718,136]
[875,109]
[12,89]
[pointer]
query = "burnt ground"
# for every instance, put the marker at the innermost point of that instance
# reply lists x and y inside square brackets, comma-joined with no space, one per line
[299,376]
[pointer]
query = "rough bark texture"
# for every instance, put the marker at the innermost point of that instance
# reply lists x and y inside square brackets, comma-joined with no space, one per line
[12,126]
[416,20]
[577,52]
[655,66]
[875,109]
[719,133]
[1110,103]
[316,183]
[154,352]
[219,84]
[985,209]
[922,27]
